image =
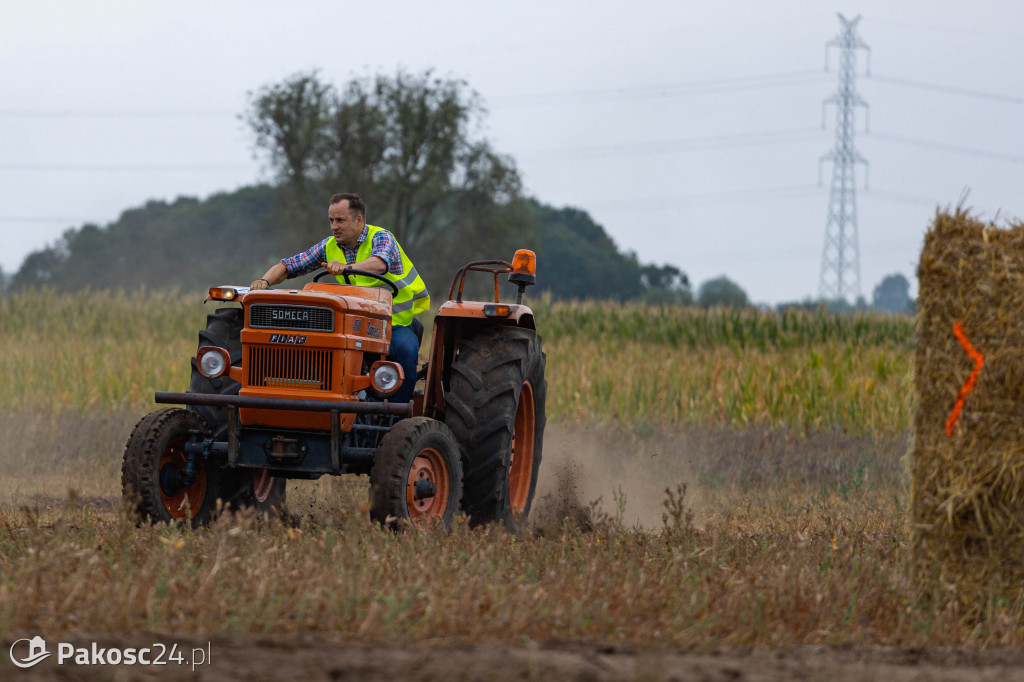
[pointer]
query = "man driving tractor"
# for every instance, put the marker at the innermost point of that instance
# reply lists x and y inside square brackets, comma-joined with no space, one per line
[266,405]
[358,246]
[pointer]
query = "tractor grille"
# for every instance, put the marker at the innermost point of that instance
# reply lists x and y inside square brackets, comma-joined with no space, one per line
[290,368]
[281,316]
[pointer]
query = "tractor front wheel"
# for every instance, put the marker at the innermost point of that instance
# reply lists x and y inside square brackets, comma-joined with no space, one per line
[154,473]
[416,475]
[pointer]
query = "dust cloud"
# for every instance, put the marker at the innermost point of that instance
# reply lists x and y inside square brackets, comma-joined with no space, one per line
[612,470]
[608,466]
[46,455]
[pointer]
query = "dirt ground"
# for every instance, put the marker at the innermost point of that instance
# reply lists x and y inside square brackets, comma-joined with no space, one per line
[611,476]
[319,657]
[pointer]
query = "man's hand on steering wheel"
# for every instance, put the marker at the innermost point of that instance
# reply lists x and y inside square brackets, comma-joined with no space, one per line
[348,271]
[335,267]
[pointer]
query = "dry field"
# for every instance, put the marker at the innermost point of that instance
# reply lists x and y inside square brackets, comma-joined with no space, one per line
[723,497]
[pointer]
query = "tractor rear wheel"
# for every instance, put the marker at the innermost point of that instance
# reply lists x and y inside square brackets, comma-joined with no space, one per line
[154,460]
[495,407]
[254,488]
[416,474]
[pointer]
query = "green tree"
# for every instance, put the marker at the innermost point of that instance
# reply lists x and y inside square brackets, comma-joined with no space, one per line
[37,269]
[893,294]
[291,122]
[665,284]
[187,244]
[721,291]
[406,144]
[577,259]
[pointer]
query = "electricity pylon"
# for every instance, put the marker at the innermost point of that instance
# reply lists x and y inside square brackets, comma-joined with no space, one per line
[840,259]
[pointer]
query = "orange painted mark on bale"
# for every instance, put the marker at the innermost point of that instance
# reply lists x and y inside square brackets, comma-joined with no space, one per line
[979,361]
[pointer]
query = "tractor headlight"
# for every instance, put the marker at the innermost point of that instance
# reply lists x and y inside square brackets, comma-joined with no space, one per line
[225,293]
[386,376]
[213,361]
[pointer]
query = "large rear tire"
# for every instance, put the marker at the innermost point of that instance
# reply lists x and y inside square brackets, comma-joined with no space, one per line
[239,488]
[495,408]
[416,475]
[155,450]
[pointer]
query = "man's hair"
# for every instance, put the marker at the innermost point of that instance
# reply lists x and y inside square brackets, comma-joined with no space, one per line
[355,204]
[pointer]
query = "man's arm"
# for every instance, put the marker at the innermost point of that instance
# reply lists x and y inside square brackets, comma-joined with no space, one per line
[296,266]
[373,264]
[275,275]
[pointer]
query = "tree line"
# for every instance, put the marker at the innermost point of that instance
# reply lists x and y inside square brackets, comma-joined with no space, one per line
[231,238]
[409,145]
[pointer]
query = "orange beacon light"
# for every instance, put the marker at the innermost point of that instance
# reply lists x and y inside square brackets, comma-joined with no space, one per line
[524,271]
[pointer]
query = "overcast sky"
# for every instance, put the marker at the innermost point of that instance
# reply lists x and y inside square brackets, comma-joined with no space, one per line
[690,130]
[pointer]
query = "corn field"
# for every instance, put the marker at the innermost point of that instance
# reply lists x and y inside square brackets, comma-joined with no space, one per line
[630,364]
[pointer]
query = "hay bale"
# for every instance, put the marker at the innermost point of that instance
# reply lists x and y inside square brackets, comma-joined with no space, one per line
[967,466]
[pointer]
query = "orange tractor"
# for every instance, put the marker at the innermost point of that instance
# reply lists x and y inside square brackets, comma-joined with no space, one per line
[294,384]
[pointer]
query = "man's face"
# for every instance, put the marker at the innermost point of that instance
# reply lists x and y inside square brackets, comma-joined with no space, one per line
[345,227]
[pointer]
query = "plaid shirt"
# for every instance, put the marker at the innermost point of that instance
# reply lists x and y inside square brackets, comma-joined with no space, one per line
[385,247]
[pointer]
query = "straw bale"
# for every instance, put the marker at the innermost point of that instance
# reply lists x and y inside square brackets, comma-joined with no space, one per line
[967,486]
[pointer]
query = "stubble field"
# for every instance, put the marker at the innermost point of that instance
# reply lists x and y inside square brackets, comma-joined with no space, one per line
[720,491]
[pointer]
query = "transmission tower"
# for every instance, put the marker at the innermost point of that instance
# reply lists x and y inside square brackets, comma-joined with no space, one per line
[840,260]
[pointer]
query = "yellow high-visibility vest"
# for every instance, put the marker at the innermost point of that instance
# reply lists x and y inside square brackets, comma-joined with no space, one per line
[412,298]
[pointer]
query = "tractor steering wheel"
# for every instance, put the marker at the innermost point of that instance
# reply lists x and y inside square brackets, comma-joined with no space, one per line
[364,273]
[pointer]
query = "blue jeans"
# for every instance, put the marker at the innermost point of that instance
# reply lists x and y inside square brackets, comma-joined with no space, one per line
[405,348]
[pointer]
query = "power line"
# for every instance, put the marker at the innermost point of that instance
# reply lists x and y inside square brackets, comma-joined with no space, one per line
[653,147]
[668,89]
[939,146]
[572,153]
[671,146]
[782,79]
[796,253]
[84,113]
[732,196]
[953,31]
[734,84]
[781,193]
[659,203]
[902,197]
[123,167]
[743,140]
[979,94]
[29,219]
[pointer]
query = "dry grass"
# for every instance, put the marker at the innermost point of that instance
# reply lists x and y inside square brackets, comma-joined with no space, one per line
[791,540]
[819,576]
[792,530]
